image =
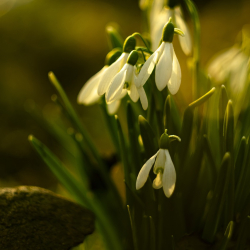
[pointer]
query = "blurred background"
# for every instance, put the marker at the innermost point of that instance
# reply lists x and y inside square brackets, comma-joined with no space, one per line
[68,37]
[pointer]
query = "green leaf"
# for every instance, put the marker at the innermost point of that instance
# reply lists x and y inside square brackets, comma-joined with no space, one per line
[63,175]
[152,234]
[215,212]
[240,159]
[243,234]
[222,245]
[242,189]
[148,137]
[202,99]
[124,153]
[228,129]
[210,158]
[115,40]
[82,195]
[223,100]
[136,247]
[171,116]
[186,133]
[111,125]
[134,147]
[74,117]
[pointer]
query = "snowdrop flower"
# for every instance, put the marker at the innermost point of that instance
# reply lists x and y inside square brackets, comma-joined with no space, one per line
[163,168]
[111,71]
[167,67]
[232,66]
[88,94]
[124,81]
[161,19]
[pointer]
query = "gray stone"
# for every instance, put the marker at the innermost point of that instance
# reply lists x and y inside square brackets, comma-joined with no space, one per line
[38,219]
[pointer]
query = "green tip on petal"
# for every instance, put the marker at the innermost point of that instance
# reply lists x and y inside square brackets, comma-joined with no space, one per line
[129,44]
[168,32]
[133,57]
[112,56]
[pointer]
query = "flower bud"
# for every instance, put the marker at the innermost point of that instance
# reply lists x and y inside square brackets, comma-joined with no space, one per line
[129,44]
[112,56]
[133,57]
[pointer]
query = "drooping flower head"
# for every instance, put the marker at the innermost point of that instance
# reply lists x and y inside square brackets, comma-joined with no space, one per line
[88,94]
[163,167]
[126,81]
[158,20]
[165,62]
[111,71]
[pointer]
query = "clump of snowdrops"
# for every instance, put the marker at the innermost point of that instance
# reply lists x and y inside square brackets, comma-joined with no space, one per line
[187,173]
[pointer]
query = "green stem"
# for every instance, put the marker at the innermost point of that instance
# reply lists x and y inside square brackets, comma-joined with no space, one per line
[138,34]
[196,55]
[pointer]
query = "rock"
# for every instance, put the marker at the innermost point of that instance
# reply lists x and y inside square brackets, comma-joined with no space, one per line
[33,218]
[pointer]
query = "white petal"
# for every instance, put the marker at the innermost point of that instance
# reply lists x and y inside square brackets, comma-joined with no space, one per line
[133,93]
[157,183]
[109,73]
[218,68]
[148,67]
[160,161]
[113,107]
[175,80]
[88,94]
[144,172]
[158,25]
[169,176]
[185,41]
[143,98]
[116,86]
[164,66]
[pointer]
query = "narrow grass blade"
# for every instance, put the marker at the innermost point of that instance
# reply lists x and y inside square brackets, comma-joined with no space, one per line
[134,147]
[152,234]
[239,163]
[136,247]
[73,116]
[202,99]
[63,175]
[149,139]
[222,245]
[243,234]
[111,125]
[186,133]
[80,192]
[210,157]
[214,215]
[223,100]
[124,153]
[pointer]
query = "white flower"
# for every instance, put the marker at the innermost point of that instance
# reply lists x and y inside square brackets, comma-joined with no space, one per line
[114,68]
[110,72]
[164,170]
[88,94]
[125,81]
[232,66]
[161,19]
[167,67]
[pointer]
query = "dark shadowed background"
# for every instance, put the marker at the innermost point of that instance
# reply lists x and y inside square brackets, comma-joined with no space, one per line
[68,37]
